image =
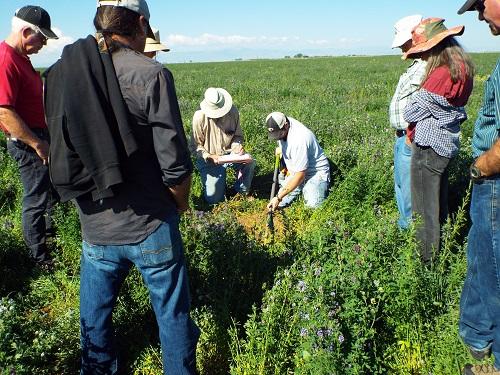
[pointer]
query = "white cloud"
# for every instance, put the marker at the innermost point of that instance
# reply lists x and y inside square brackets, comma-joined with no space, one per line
[320,42]
[55,45]
[52,51]
[349,41]
[211,40]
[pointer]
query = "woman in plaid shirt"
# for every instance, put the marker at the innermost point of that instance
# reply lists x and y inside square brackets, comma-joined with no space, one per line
[435,114]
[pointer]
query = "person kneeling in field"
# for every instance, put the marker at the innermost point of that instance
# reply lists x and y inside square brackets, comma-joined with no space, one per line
[218,142]
[307,164]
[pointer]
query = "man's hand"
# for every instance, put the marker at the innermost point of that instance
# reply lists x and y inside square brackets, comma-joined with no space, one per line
[273,204]
[489,162]
[277,152]
[16,127]
[42,150]
[180,193]
[237,148]
[183,208]
[213,158]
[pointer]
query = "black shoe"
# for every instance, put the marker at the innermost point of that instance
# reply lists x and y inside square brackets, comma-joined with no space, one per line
[46,265]
[480,354]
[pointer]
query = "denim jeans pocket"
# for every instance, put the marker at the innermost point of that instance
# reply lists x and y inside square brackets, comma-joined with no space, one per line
[94,252]
[21,153]
[162,247]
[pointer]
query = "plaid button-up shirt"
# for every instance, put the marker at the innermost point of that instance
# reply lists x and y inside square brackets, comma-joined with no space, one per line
[438,122]
[408,84]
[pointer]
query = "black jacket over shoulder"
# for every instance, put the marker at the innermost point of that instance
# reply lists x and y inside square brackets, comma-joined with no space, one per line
[88,122]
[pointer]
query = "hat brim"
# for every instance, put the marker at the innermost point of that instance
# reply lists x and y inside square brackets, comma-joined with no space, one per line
[49,34]
[219,112]
[155,47]
[400,39]
[274,135]
[468,6]
[426,46]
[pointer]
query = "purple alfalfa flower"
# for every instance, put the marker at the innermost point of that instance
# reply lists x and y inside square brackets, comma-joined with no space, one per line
[199,214]
[357,248]
[332,313]
[341,338]
[303,332]
[317,271]
[327,332]
[302,286]
[320,333]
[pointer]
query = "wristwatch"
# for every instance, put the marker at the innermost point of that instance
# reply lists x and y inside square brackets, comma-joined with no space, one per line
[475,172]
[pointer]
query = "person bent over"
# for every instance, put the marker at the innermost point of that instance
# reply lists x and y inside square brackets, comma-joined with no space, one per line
[307,165]
[218,141]
[22,119]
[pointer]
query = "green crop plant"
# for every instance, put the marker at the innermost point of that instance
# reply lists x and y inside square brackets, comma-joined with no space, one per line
[338,290]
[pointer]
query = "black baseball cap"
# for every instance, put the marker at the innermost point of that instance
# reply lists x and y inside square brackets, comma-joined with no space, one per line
[38,17]
[468,5]
[275,122]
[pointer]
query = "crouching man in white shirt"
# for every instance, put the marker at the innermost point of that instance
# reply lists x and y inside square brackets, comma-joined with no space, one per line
[308,167]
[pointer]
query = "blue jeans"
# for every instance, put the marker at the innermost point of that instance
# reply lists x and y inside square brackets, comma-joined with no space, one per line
[314,189]
[38,196]
[160,259]
[402,180]
[479,323]
[213,179]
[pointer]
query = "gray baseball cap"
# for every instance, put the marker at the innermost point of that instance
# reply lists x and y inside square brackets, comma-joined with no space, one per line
[138,6]
[468,5]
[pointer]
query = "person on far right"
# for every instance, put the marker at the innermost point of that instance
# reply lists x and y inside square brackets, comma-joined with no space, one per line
[479,324]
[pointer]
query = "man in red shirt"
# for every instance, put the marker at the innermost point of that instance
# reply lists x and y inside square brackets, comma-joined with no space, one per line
[23,121]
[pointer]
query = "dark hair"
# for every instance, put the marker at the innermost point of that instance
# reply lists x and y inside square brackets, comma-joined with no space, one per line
[111,20]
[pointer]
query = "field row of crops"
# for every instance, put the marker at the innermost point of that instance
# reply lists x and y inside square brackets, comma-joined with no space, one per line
[339,290]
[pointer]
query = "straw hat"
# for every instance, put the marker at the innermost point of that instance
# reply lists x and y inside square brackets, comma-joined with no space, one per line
[217,102]
[154,45]
[403,28]
[429,33]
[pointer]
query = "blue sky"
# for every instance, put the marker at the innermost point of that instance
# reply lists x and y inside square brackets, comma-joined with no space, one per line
[226,30]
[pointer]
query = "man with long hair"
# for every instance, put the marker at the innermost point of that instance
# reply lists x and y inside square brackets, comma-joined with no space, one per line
[120,152]
[479,324]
